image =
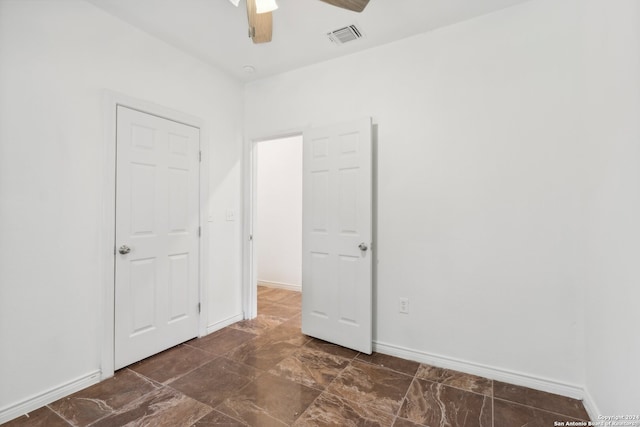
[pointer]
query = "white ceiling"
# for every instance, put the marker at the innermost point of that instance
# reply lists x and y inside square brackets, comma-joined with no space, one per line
[216,31]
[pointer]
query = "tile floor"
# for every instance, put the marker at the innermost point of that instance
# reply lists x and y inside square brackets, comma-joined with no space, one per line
[265,372]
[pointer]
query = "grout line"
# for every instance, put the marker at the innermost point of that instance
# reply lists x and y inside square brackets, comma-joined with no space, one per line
[540,409]
[349,361]
[309,406]
[219,412]
[58,414]
[386,367]
[404,398]
[395,416]
[230,416]
[493,406]
[458,388]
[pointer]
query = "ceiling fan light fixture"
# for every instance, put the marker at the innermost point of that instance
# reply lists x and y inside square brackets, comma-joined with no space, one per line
[264,6]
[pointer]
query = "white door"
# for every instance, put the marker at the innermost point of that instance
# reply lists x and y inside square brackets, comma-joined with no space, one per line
[157,232]
[337,234]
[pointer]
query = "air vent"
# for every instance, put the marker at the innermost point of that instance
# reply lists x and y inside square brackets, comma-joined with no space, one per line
[345,35]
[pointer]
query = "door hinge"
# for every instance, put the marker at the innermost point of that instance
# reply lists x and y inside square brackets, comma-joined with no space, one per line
[250,237]
[199,231]
[200,156]
[199,308]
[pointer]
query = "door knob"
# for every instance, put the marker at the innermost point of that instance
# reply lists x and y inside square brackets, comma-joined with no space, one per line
[124,249]
[362,246]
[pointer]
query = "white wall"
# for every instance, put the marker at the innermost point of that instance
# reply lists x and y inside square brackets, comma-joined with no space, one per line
[278,229]
[56,60]
[508,192]
[477,168]
[612,132]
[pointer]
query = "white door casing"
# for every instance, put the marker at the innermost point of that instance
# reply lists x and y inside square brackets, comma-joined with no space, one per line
[337,234]
[157,217]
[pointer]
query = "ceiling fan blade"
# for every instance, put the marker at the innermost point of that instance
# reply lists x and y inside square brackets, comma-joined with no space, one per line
[260,24]
[354,5]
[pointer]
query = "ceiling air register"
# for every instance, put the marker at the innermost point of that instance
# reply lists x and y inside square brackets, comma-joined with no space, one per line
[259,15]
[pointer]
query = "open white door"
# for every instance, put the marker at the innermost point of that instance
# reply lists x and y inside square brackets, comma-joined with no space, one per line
[337,234]
[157,232]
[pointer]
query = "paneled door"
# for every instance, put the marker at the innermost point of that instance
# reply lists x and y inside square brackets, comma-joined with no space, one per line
[337,234]
[157,235]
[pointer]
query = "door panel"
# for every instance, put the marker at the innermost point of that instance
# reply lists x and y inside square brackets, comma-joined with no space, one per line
[157,217]
[337,218]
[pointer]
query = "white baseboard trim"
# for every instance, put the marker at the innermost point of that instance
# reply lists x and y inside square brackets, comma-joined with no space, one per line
[39,400]
[590,406]
[279,285]
[224,323]
[550,386]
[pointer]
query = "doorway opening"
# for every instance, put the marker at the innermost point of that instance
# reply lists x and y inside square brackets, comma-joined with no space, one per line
[278,226]
[337,233]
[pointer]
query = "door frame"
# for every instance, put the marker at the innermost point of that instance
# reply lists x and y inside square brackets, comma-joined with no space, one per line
[111,101]
[250,204]
[249,212]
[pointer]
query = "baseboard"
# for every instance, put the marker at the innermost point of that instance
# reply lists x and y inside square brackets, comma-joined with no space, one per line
[490,372]
[279,285]
[590,406]
[224,323]
[31,404]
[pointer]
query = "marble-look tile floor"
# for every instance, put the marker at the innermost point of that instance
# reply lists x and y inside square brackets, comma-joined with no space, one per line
[265,372]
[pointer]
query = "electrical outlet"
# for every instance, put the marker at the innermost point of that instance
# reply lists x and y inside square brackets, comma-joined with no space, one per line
[404,305]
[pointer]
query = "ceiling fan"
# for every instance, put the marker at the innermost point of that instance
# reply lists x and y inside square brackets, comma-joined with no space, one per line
[261,20]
